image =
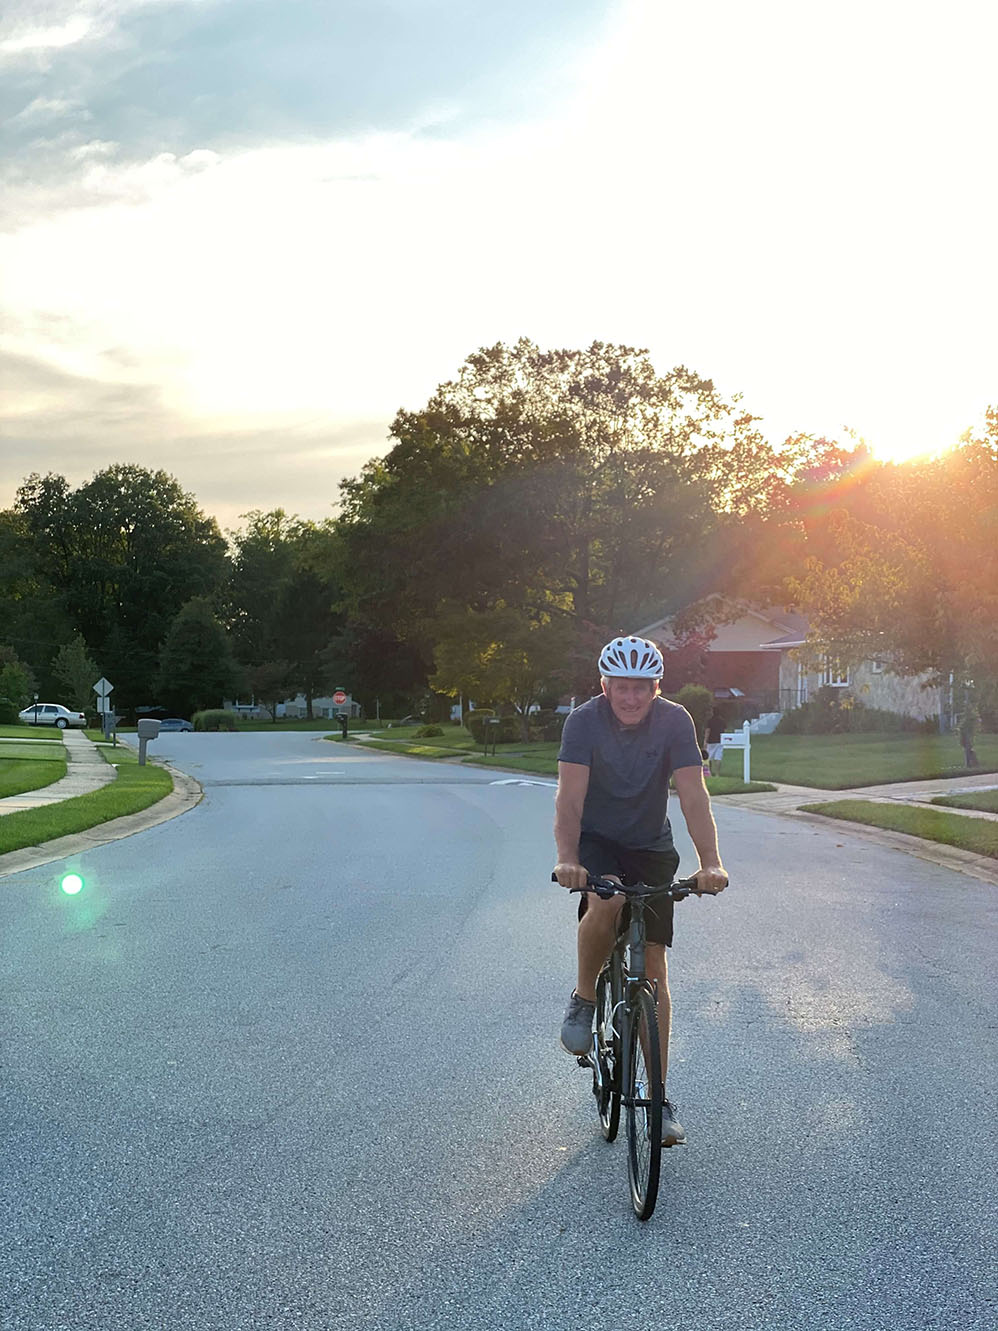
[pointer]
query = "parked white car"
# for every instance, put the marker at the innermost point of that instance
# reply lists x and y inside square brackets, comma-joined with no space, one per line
[51,714]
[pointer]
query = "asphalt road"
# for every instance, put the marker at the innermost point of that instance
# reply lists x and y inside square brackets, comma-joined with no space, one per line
[291,1061]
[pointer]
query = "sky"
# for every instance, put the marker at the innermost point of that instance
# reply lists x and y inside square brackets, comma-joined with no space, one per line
[236,236]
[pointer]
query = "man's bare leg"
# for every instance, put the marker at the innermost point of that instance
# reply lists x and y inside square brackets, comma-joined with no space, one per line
[597,930]
[657,968]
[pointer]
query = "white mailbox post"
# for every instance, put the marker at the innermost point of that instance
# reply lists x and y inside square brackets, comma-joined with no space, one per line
[740,739]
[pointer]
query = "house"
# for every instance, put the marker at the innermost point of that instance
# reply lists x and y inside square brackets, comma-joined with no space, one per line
[297,707]
[756,654]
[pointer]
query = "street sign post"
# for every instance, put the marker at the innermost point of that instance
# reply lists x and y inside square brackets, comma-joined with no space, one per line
[103,688]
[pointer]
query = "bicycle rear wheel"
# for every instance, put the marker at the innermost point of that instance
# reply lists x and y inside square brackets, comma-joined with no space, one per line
[606,1070]
[643,1102]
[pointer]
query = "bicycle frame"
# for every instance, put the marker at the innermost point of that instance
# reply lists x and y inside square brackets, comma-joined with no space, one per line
[627,1039]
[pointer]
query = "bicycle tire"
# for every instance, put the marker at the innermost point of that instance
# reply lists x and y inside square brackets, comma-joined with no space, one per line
[643,1102]
[606,1071]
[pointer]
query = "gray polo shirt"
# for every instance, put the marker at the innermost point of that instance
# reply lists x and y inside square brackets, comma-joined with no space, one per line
[629,769]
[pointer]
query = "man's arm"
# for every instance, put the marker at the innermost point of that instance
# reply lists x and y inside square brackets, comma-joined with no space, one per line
[695,804]
[573,782]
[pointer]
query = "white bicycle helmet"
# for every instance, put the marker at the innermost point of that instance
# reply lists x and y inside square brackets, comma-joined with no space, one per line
[631,658]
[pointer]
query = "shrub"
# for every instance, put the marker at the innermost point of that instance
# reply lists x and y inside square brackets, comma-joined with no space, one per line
[215,718]
[429,732]
[475,722]
[546,724]
[837,712]
[508,731]
[699,702]
[476,711]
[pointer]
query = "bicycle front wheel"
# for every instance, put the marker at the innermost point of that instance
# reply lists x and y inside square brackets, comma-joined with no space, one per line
[643,1102]
[606,1072]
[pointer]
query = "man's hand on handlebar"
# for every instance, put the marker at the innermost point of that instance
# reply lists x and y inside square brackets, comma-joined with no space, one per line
[711,881]
[571,875]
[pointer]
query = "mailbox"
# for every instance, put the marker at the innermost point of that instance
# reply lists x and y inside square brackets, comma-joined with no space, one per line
[148,729]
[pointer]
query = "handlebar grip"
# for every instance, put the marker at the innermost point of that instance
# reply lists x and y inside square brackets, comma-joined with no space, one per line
[593,884]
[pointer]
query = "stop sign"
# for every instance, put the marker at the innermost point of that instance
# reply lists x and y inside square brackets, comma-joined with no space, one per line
[339,697]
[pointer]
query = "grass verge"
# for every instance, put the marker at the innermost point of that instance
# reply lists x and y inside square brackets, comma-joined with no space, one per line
[973,834]
[839,762]
[19,775]
[136,788]
[984,800]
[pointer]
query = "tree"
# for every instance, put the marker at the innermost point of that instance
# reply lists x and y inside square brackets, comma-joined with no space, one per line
[902,567]
[35,622]
[262,565]
[197,669]
[124,552]
[77,672]
[17,684]
[282,597]
[497,656]
[580,484]
[271,682]
[382,672]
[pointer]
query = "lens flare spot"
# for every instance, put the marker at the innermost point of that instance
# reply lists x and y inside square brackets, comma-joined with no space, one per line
[72,884]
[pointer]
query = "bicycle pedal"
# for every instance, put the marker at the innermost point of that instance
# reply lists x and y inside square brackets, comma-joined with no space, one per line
[584,1061]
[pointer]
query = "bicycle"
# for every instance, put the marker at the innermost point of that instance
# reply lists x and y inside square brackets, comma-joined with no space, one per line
[626,1059]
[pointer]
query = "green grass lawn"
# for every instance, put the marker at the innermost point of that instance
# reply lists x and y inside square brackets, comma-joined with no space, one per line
[19,775]
[985,800]
[136,788]
[25,767]
[36,751]
[838,762]
[974,834]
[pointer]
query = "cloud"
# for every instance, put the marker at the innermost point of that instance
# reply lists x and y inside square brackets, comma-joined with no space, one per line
[55,421]
[320,232]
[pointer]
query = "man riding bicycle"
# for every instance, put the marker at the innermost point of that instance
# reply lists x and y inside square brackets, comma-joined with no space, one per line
[617,754]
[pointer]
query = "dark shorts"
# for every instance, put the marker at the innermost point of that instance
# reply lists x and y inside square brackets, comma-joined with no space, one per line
[657,868]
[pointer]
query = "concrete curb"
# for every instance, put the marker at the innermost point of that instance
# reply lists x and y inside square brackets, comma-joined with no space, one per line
[935,852]
[185,795]
[981,867]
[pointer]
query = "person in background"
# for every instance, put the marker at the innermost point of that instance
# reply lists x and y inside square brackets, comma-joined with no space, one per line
[712,738]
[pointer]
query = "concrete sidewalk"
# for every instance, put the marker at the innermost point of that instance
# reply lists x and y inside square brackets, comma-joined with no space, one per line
[786,799]
[86,771]
[786,802]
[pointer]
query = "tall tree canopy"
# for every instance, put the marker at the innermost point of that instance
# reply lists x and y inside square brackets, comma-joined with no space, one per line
[282,601]
[196,666]
[123,552]
[579,487]
[900,563]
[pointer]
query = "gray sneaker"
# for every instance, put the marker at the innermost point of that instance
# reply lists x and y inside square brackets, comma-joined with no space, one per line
[673,1132]
[577,1028]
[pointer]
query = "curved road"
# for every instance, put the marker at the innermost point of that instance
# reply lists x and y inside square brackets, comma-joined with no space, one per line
[291,1061]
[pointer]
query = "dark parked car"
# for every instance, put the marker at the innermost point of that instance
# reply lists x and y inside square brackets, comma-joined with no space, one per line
[174,723]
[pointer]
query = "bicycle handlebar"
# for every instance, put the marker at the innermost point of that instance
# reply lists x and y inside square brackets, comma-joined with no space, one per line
[606,888]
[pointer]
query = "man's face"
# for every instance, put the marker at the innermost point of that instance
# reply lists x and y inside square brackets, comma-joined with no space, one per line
[630,699]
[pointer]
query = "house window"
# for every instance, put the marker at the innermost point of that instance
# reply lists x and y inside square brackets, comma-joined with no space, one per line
[877,667]
[836,675]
